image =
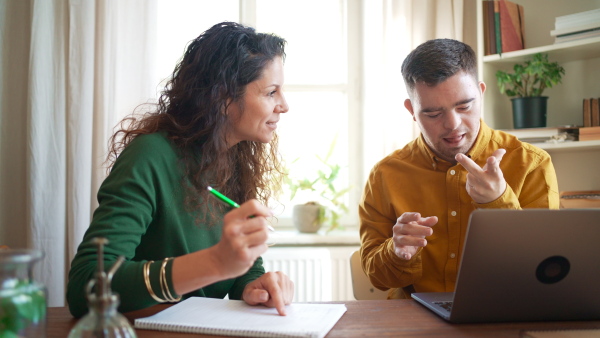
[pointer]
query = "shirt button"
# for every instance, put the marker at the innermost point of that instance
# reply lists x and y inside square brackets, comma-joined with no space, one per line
[453,213]
[452,255]
[452,172]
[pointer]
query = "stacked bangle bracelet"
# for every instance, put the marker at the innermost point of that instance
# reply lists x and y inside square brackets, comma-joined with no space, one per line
[164,287]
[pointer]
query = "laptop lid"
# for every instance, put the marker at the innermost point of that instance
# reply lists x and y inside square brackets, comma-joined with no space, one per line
[528,265]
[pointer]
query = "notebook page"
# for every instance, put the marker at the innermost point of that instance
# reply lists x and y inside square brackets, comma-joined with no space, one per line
[235,317]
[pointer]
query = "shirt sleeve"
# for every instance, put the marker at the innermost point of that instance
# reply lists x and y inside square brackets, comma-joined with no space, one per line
[127,204]
[380,263]
[538,188]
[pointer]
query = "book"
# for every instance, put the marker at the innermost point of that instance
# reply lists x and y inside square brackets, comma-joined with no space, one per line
[486,30]
[576,19]
[589,133]
[595,112]
[522,22]
[587,113]
[580,199]
[498,32]
[489,27]
[577,36]
[510,26]
[581,28]
[576,26]
[236,318]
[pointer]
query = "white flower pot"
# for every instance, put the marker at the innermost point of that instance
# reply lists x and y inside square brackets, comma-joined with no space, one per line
[306,217]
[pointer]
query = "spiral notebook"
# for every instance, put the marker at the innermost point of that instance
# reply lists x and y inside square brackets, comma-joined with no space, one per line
[236,318]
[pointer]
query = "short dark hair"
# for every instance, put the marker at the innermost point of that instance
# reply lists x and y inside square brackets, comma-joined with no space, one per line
[434,61]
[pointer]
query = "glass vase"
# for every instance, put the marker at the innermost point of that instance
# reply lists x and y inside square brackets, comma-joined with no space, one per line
[103,320]
[22,299]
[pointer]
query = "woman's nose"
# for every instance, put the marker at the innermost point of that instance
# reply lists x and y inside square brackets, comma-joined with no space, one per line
[282,107]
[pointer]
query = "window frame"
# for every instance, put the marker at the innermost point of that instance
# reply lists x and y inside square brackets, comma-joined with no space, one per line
[351,18]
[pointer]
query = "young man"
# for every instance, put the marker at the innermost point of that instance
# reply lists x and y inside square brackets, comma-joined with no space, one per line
[417,201]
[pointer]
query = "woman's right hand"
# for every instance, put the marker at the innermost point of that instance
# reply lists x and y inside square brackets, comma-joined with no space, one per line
[244,239]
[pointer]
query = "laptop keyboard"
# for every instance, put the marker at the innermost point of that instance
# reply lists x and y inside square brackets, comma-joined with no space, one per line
[445,305]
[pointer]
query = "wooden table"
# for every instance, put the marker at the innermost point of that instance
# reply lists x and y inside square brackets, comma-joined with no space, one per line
[375,318]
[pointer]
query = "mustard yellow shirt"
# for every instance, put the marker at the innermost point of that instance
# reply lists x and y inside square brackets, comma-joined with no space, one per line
[413,179]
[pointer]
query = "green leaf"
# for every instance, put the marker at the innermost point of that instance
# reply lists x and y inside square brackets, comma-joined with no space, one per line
[531,77]
[26,306]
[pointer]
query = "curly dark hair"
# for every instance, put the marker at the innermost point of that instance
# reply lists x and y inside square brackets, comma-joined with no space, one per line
[434,61]
[213,73]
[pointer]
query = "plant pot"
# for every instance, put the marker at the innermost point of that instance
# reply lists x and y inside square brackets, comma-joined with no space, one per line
[307,217]
[529,112]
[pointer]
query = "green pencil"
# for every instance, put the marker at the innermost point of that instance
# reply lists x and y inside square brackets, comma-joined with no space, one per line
[228,201]
[223,198]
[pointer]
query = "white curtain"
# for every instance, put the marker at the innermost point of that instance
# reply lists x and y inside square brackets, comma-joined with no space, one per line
[391,29]
[71,69]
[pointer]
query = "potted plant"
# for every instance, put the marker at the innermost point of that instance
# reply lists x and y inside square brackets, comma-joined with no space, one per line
[526,84]
[328,202]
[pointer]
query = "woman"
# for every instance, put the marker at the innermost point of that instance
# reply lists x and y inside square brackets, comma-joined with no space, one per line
[214,125]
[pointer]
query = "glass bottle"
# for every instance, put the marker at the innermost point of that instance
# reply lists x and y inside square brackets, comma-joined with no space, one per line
[102,320]
[22,299]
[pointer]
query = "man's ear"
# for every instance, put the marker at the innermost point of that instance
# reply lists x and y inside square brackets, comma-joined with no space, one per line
[409,107]
[482,87]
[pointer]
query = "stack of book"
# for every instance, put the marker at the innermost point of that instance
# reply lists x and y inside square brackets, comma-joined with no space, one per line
[503,26]
[589,133]
[576,26]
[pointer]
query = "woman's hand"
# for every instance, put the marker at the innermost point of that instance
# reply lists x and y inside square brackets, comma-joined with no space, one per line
[245,234]
[244,238]
[273,289]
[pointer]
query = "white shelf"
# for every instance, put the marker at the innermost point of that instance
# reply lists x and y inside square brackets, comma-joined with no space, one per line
[561,52]
[285,238]
[569,145]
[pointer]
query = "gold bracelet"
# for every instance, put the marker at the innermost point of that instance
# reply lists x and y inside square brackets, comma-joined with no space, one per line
[163,282]
[148,285]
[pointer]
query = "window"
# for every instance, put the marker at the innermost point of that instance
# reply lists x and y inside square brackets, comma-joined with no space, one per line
[179,22]
[321,79]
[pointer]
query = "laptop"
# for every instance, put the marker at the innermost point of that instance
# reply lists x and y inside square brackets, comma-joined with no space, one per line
[525,265]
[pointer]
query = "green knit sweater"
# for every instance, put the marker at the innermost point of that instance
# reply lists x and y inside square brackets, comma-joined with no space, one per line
[141,213]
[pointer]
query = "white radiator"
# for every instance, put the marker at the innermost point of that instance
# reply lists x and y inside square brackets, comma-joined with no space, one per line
[319,273]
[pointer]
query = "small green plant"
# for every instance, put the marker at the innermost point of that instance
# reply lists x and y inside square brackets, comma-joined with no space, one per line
[530,78]
[321,185]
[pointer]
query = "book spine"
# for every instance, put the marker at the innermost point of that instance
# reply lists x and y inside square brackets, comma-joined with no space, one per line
[491,26]
[486,31]
[587,113]
[578,36]
[595,112]
[498,32]
[522,23]
[576,30]
[511,39]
